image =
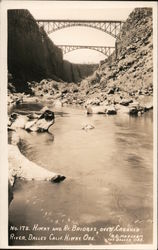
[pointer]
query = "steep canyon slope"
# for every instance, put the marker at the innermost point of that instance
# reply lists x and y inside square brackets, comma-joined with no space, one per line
[131,73]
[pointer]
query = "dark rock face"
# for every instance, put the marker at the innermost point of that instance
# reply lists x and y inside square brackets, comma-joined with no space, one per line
[32,56]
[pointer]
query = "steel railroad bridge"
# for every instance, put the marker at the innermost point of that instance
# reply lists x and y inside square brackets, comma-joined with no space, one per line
[111,27]
[107,51]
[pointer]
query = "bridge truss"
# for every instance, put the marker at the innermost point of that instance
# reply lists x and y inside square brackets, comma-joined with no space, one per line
[111,27]
[107,51]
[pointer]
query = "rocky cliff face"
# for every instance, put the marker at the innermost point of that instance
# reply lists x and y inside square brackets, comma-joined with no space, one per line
[132,71]
[33,56]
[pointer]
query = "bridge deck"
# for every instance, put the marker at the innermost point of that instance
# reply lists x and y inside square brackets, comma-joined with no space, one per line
[70,20]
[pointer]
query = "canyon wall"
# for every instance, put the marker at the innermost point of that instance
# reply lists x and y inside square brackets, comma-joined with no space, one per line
[132,70]
[33,56]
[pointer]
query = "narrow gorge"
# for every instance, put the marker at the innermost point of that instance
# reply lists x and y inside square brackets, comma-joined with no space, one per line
[80,137]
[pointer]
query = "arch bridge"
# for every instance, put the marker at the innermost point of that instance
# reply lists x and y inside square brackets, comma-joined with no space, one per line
[107,51]
[111,27]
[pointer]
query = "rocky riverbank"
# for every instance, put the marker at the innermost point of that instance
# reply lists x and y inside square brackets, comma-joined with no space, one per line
[19,166]
[92,98]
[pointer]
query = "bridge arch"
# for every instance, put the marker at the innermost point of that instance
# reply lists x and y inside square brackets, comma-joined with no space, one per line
[111,27]
[107,51]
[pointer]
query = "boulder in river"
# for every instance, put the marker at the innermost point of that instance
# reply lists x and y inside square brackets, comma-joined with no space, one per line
[134,108]
[133,111]
[96,110]
[88,126]
[35,123]
[126,102]
[111,110]
[41,124]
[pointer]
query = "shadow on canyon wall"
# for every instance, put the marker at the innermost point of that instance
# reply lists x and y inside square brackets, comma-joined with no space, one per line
[33,56]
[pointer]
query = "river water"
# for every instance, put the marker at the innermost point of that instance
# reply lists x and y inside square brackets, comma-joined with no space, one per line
[109,178]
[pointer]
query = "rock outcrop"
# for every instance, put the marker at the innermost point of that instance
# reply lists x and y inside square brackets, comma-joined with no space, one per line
[32,122]
[130,74]
[132,71]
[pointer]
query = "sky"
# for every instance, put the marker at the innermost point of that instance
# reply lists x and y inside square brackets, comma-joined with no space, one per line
[81,35]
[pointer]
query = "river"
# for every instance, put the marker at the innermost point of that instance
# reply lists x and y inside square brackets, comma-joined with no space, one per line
[109,178]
